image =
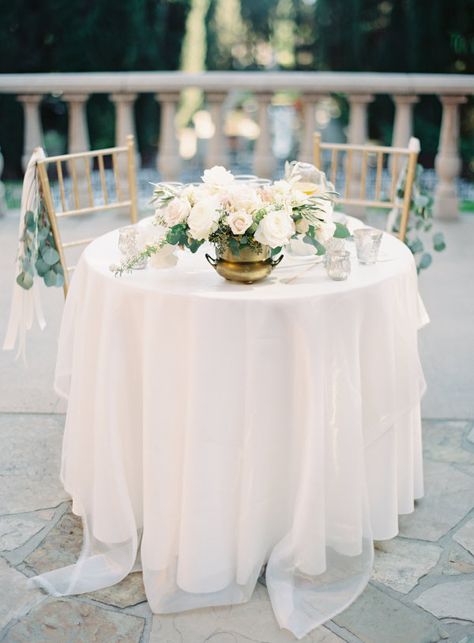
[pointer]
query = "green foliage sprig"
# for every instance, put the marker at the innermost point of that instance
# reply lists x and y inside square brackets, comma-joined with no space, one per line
[40,255]
[420,235]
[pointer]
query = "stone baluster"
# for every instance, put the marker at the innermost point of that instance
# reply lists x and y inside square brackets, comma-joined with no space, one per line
[448,161]
[403,124]
[309,102]
[216,152]
[124,126]
[124,117]
[78,141]
[78,136]
[358,120]
[357,135]
[32,128]
[264,161]
[168,161]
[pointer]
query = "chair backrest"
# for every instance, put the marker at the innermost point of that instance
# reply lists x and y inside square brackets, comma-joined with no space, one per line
[370,175]
[81,190]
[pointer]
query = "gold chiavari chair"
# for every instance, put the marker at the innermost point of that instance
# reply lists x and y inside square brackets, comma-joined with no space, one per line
[79,194]
[349,168]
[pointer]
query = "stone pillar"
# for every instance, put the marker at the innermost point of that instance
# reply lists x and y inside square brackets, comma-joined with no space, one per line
[403,125]
[78,141]
[216,152]
[448,161]
[78,134]
[168,160]
[124,117]
[264,161]
[357,135]
[358,120]
[309,102]
[32,129]
[124,126]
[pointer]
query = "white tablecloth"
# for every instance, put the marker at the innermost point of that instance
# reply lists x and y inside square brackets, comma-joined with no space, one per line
[213,427]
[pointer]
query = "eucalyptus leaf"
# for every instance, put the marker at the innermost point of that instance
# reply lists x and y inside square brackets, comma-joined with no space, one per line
[416,245]
[439,243]
[421,200]
[50,278]
[234,245]
[425,261]
[25,280]
[43,234]
[341,231]
[41,267]
[30,221]
[50,255]
[320,249]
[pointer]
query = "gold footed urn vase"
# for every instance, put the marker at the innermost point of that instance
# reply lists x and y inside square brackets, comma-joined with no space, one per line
[247,266]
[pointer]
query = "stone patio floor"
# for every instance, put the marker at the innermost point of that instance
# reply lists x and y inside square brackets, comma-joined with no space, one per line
[422,589]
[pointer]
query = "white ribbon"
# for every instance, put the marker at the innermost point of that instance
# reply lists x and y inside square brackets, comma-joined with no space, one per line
[26,304]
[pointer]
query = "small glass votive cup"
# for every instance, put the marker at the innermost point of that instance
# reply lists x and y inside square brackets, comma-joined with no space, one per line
[245,178]
[335,245]
[128,244]
[367,243]
[338,265]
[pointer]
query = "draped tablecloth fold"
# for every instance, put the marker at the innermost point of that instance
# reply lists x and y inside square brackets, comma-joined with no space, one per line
[215,427]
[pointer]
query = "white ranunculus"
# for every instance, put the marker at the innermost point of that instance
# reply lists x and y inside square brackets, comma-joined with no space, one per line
[324,230]
[203,218]
[239,222]
[218,176]
[164,258]
[175,212]
[275,229]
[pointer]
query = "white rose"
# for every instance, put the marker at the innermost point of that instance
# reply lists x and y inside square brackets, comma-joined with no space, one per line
[203,218]
[242,197]
[164,258]
[239,222]
[324,230]
[175,212]
[275,229]
[218,175]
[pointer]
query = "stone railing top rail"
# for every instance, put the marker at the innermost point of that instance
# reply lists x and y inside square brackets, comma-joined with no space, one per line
[215,81]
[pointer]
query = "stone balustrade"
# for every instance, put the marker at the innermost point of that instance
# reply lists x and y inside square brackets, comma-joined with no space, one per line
[359,88]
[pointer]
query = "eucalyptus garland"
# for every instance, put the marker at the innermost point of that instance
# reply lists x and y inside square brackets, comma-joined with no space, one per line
[40,255]
[420,235]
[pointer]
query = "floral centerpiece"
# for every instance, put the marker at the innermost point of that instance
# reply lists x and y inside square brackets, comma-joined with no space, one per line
[247,222]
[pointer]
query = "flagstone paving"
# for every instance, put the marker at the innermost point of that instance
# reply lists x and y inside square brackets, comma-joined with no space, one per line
[422,589]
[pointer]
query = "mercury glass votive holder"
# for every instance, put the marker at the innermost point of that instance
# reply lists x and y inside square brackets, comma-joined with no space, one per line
[338,265]
[367,243]
[128,244]
[335,245]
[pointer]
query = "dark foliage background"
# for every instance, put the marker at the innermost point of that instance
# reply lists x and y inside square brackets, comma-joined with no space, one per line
[86,35]
[426,36]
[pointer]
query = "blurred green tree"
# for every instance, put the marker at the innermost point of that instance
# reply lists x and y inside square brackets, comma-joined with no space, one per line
[87,35]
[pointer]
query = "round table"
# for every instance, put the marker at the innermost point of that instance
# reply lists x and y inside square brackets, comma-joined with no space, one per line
[213,427]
